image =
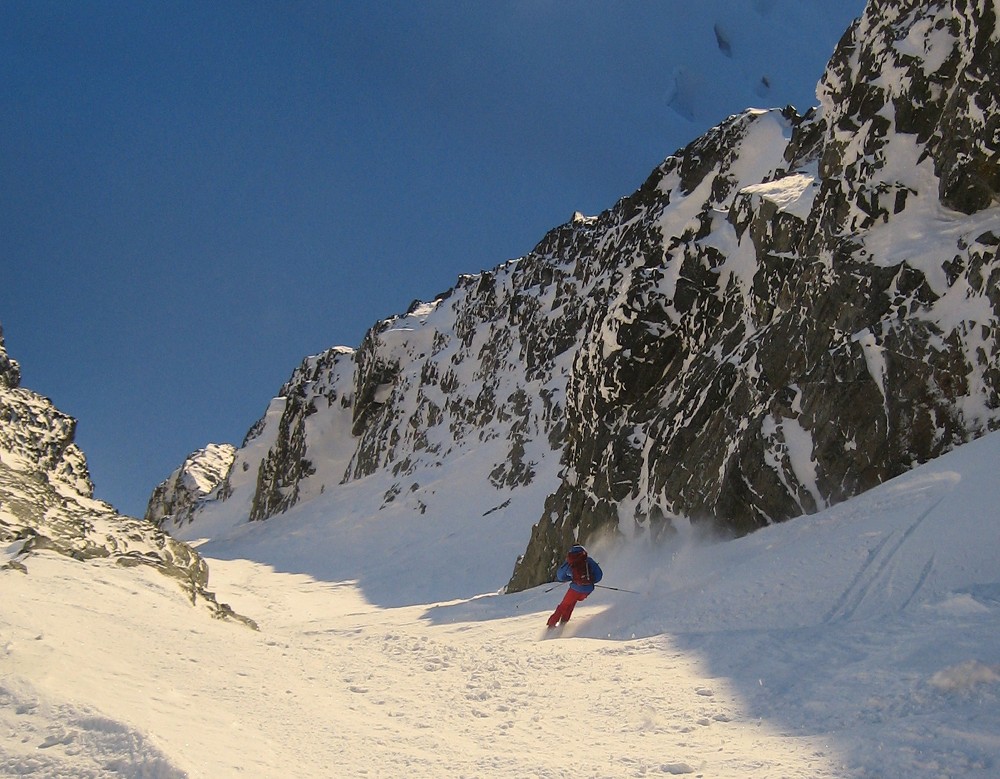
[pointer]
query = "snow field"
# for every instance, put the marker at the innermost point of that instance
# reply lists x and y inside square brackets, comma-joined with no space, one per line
[125,675]
[859,642]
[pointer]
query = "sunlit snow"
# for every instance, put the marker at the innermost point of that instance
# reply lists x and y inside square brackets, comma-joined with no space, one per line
[857,642]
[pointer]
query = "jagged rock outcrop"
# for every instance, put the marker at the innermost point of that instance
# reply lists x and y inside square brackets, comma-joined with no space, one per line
[837,327]
[789,311]
[10,371]
[36,439]
[174,499]
[47,503]
[306,425]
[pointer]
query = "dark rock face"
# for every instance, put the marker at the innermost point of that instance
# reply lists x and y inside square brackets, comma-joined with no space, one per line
[316,384]
[926,69]
[10,373]
[857,339]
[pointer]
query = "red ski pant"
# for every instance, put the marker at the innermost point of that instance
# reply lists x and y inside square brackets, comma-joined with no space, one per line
[565,609]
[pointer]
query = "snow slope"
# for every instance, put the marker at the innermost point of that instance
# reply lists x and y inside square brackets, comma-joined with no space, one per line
[857,642]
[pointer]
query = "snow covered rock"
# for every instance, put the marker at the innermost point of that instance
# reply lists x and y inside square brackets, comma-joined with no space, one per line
[302,443]
[174,499]
[924,71]
[36,439]
[835,328]
[47,503]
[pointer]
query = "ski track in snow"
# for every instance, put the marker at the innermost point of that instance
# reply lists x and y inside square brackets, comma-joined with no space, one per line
[870,574]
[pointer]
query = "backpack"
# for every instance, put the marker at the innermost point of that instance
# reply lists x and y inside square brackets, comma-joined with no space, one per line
[577,559]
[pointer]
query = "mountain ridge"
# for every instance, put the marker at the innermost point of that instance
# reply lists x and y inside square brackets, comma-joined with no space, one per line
[790,310]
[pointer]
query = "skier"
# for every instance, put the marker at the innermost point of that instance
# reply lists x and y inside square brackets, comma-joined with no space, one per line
[583,572]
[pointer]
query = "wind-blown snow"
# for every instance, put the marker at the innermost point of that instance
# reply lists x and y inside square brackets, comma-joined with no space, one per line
[856,642]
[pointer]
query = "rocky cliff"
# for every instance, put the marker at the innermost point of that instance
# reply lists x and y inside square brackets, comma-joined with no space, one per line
[789,311]
[47,503]
[807,336]
[199,474]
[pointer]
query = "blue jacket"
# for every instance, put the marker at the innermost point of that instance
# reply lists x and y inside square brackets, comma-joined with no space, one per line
[565,574]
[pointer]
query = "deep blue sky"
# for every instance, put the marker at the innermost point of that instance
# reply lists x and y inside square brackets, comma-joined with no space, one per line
[196,195]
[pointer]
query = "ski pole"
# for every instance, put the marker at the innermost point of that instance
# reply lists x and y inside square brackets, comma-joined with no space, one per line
[602,586]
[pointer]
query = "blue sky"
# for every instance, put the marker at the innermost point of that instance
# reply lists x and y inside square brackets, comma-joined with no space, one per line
[198,195]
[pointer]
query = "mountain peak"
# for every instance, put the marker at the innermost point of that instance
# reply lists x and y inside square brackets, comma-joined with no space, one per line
[790,310]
